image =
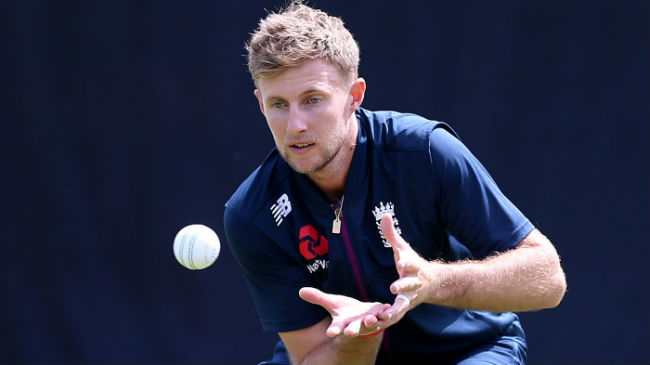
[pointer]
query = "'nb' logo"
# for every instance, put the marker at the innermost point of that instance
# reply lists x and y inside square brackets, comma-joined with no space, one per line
[281,209]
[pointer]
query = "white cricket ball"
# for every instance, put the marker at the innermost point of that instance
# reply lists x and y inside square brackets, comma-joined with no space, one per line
[196,246]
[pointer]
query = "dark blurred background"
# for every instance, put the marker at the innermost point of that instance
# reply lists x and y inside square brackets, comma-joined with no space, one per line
[123,121]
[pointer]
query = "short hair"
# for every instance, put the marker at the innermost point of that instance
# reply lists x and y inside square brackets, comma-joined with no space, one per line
[299,33]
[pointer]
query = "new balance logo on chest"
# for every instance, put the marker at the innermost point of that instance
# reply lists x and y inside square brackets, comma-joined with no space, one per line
[380,211]
[281,209]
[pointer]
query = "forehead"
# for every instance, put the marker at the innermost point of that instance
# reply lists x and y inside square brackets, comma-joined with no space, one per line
[311,75]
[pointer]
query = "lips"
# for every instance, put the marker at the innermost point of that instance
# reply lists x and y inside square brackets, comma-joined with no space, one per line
[301,147]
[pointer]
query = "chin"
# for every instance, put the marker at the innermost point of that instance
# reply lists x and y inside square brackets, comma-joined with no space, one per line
[307,165]
[305,168]
[301,168]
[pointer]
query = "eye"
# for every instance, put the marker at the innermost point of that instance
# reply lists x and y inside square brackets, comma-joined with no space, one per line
[277,105]
[313,100]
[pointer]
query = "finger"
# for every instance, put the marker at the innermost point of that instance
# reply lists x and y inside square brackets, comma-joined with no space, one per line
[406,284]
[384,315]
[334,330]
[353,328]
[388,229]
[370,321]
[406,302]
[315,296]
[400,306]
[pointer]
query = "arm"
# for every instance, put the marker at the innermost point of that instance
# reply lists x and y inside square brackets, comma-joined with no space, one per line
[273,280]
[334,340]
[311,346]
[528,277]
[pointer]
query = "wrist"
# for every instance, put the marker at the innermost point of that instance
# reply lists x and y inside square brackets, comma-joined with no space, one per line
[447,283]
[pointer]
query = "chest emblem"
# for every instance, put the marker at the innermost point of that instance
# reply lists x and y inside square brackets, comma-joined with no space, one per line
[281,209]
[380,211]
[313,247]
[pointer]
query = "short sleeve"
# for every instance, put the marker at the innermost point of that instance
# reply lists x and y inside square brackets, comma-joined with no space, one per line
[472,207]
[273,278]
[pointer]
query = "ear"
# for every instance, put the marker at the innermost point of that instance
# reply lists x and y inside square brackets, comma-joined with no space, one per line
[357,92]
[258,94]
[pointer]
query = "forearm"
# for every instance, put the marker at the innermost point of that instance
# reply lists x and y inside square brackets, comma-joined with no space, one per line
[344,350]
[523,279]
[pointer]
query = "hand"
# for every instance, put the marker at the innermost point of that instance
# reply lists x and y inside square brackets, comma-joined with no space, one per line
[415,275]
[350,317]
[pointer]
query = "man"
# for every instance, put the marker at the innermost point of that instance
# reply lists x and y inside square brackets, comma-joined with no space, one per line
[375,237]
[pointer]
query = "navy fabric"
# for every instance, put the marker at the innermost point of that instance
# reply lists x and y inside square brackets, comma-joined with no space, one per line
[509,349]
[278,225]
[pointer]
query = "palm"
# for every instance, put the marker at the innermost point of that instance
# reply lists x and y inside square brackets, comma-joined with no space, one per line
[349,316]
[352,317]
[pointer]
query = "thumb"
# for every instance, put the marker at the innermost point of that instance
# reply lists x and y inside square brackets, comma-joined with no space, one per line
[325,300]
[315,296]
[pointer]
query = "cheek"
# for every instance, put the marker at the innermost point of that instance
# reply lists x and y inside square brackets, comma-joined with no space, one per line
[342,109]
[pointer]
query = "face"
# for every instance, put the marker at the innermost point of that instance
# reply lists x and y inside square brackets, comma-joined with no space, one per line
[310,111]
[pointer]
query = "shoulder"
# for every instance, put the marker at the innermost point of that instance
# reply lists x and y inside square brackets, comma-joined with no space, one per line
[395,131]
[256,190]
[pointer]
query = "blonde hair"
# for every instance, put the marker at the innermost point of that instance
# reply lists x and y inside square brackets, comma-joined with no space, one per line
[297,34]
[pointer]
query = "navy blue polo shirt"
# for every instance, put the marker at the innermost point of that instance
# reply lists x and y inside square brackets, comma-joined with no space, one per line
[443,201]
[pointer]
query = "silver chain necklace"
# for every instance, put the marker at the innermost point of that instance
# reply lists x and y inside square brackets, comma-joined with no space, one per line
[336,224]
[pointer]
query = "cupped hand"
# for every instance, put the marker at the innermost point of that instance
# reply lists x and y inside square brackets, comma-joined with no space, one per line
[350,316]
[415,275]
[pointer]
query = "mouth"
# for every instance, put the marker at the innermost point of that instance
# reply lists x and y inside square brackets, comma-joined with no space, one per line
[301,148]
[301,145]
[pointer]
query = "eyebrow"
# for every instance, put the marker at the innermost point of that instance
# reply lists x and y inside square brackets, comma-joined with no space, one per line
[306,92]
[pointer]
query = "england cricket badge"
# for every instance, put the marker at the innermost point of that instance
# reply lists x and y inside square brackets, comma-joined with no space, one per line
[380,211]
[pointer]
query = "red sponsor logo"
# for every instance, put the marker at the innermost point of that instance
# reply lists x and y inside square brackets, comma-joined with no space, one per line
[311,243]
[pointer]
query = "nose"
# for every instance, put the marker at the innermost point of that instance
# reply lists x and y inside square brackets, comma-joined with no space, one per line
[297,122]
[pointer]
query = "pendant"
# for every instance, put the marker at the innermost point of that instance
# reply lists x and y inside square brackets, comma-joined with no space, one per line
[336,226]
